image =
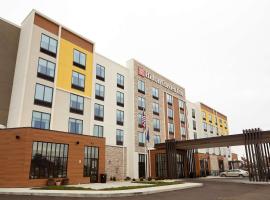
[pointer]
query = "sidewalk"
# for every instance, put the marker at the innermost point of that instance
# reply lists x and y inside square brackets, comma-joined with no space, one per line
[83,193]
[233,180]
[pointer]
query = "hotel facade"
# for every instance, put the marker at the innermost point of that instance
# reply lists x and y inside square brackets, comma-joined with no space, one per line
[81,114]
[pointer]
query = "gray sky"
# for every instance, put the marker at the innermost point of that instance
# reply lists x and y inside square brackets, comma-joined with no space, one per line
[219,51]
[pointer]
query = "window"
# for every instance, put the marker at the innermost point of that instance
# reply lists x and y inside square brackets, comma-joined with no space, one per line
[170,113]
[155,109]
[171,128]
[211,128]
[204,126]
[183,130]
[141,139]
[41,120]
[98,131]
[220,122]
[210,118]
[120,99]
[141,103]
[195,135]
[156,125]
[120,117]
[182,105]
[155,93]
[76,104]
[217,130]
[90,166]
[169,99]
[78,81]
[49,160]
[120,81]
[194,124]
[100,72]
[43,95]
[119,137]
[182,118]
[99,112]
[193,113]
[204,115]
[46,69]
[161,165]
[141,87]
[140,122]
[75,126]
[79,59]
[48,45]
[156,139]
[100,91]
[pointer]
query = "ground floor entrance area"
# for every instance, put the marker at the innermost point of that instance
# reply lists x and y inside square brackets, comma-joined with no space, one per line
[30,157]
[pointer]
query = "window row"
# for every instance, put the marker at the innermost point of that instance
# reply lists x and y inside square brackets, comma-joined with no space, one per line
[99,114]
[142,138]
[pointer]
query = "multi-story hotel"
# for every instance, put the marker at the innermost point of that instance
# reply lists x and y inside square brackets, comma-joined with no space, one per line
[85,115]
[206,122]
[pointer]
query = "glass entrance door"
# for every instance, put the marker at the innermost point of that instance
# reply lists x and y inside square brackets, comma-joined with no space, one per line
[142,165]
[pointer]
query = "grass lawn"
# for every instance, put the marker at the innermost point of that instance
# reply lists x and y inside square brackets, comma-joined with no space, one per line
[148,184]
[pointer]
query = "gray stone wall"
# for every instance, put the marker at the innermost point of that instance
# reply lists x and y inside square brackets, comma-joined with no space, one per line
[116,162]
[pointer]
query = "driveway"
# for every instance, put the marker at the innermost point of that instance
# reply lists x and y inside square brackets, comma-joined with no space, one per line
[212,190]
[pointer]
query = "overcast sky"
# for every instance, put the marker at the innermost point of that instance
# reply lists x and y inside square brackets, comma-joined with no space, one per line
[219,51]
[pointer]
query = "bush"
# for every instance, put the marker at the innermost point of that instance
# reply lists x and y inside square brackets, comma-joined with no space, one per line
[65,181]
[149,179]
[50,182]
[111,178]
[114,178]
[141,178]
[133,179]
[127,178]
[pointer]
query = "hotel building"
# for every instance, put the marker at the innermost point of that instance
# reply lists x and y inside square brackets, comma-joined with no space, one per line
[81,113]
[204,122]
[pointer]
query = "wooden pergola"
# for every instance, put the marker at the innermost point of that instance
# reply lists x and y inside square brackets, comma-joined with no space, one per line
[256,142]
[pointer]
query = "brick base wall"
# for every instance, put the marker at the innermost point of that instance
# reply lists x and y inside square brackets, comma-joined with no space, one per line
[16,153]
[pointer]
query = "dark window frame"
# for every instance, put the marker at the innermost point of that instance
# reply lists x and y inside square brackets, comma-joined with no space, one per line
[99,126]
[43,102]
[119,103]
[122,115]
[75,86]
[71,118]
[119,142]
[76,110]
[45,76]
[88,169]
[79,64]
[97,117]
[47,51]
[122,79]
[41,119]
[99,77]
[98,96]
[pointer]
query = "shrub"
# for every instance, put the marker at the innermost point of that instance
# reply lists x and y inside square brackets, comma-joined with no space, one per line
[141,178]
[149,179]
[50,182]
[114,178]
[65,181]
[111,178]
[133,179]
[127,178]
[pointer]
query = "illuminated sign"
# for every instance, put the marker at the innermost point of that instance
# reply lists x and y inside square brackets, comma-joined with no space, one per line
[142,72]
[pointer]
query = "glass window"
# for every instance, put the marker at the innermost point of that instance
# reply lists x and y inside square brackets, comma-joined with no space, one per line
[91,159]
[169,99]
[204,126]
[183,130]
[141,103]
[120,98]
[120,117]
[99,112]
[49,160]
[78,80]
[76,103]
[195,135]
[156,124]
[100,72]
[181,104]
[156,139]
[203,115]
[46,69]
[79,58]
[120,81]
[41,120]
[193,113]
[210,118]
[140,116]
[100,91]
[161,163]
[194,124]
[170,113]
[43,95]
[141,139]
[211,128]
[171,128]
[182,118]
[75,126]
[156,108]
[98,131]
[155,93]
[141,86]
[48,45]
[119,137]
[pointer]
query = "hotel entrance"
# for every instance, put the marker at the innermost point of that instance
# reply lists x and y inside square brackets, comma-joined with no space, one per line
[142,165]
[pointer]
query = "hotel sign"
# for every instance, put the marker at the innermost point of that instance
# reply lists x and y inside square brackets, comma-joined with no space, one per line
[142,72]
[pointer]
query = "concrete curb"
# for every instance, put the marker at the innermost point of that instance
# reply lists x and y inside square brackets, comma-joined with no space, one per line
[83,193]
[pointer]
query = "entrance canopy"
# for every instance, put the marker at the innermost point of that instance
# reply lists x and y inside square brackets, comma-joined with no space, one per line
[220,141]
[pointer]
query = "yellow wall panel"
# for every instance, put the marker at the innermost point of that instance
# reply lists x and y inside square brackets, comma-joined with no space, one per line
[65,68]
